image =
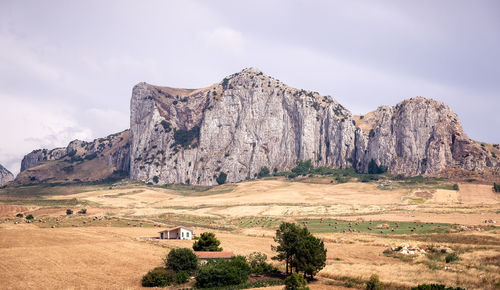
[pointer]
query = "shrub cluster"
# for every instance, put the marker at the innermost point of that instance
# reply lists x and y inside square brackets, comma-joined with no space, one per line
[221,179]
[258,264]
[374,283]
[186,137]
[219,273]
[179,265]
[296,282]
[264,172]
[435,287]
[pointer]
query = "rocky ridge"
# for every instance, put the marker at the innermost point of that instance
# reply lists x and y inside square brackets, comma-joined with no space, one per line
[5,175]
[250,120]
[80,161]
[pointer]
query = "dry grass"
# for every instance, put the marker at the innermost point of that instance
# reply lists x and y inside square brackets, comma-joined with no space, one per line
[244,217]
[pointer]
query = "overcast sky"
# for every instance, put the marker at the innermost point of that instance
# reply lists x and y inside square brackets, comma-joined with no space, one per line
[67,68]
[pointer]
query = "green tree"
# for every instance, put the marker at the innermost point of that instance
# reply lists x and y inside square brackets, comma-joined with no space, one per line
[287,236]
[221,179]
[264,172]
[182,260]
[30,217]
[296,282]
[303,167]
[207,242]
[69,211]
[496,187]
[311,254]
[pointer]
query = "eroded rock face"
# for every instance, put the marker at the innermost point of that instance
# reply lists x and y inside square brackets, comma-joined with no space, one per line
[250,120]
[40,155]
[419,136]
[5,175]
[247,121]
[80,161]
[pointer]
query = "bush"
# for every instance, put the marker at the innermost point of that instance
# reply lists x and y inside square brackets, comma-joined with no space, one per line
[373,168]
[182,260]
[435,287]
[186,137]
[258,265]
[30,217]
[496,187]
[219,273]
[264,172]
[455,187]
[181,277]
[19,215]
[156,179]
[451,258]
[374,283]
[69,211]
[221,179]
[83,211]
[207,242]
[303,167]
[158,277]
[295,282]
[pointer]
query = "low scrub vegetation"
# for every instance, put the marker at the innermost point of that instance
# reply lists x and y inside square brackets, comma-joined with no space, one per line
[295,282]
[496,187]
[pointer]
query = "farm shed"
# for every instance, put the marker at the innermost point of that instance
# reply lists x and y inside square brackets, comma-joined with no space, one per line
[177,233]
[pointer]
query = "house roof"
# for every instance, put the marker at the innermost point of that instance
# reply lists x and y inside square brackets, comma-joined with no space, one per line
[175,228]
[214,255]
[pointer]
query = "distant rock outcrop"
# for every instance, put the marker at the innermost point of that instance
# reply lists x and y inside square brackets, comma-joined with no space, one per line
[80,161]
[5,175]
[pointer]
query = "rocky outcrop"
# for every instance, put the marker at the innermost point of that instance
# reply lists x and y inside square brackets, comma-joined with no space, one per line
[80,161]
[250,120]
[5,175]
[418,136]
[247,121]
[38,156]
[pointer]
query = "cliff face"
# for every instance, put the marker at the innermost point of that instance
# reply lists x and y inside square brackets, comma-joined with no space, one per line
[250,120]
[80,161]
[247,121]
[5,175]
[418,136]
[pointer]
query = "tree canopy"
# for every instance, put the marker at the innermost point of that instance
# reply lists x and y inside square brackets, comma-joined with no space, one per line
[299,249]
[207,242]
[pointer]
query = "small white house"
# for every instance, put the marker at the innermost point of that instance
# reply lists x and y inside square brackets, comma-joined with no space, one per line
[177,233]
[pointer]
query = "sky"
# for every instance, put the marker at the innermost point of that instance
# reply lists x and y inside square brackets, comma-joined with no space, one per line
[67,68]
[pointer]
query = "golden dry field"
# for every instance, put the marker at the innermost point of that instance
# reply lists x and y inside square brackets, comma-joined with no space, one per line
[108,247]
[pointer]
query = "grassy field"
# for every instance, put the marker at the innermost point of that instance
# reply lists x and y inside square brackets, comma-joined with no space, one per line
[113,238]
[376,227]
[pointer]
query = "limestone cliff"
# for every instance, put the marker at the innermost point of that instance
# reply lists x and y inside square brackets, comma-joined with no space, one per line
[418,136]
[247,121]
[250,120]
[80,161]
[5,175]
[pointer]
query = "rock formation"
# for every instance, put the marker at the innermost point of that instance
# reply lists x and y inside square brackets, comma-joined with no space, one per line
[250,120]
[80,161]
[247,121]
[5,175]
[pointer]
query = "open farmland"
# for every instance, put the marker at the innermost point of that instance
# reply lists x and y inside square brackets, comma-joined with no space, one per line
[112,238]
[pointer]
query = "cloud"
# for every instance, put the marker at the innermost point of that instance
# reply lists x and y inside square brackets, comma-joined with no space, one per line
[225,38]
